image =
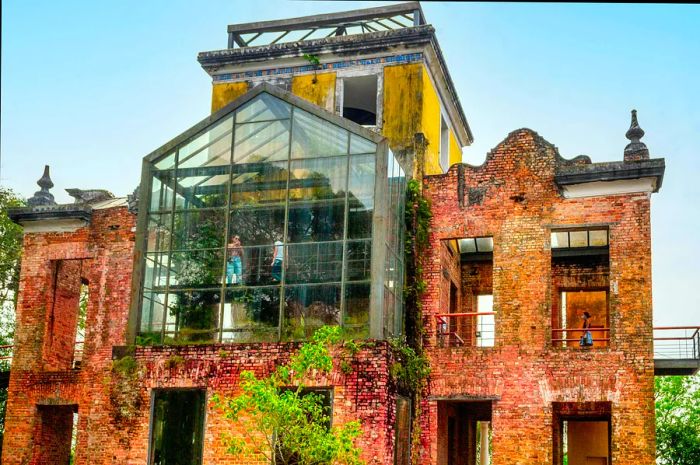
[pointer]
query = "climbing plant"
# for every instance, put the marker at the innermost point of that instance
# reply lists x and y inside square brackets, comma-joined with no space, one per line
[283,421]
[411,368]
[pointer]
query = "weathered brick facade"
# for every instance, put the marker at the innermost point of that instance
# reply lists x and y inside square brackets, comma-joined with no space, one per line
[113,425]
[524,375]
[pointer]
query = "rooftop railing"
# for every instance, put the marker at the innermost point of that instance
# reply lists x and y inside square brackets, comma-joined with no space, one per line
[385,18]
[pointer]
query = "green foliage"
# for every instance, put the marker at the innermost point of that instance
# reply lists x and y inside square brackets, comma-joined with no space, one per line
[411,369]
[312,59]
[677,420]
[10,254]
[174,361]
[282,421]
[417,218]
[124,388]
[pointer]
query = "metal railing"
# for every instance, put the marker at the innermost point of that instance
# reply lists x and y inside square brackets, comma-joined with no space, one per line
[677,342]
[475,329]
[571,337]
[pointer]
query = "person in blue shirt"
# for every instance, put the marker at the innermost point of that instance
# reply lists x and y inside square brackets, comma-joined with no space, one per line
[234,264]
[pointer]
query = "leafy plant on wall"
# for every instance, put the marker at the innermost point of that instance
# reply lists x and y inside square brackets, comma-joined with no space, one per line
[281,421]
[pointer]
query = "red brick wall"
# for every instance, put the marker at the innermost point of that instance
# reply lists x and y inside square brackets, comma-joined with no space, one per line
[102,254]
[518,204]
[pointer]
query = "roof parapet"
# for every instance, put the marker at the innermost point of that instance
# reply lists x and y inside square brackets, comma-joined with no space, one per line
[385,18]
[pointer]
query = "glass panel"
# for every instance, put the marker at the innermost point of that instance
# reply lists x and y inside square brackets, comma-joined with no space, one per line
[578,239]
[484,244]
[262,225]
[158,232]
[560,239]
[196,313]
[317,200]
[202,187]
[217,152]
[485,324]
[199,229]
[467,245]
[251,314]
[161,191]
[196,268]
[216,155]
[361,196]
[313,137]
[357,310]
[165,163]
[307,308]
[177,427]
[598,238]
[262,108]
[259,183]
[259,142]
[252,266]
[314,262]
[152,315]
[359,260]
[361,145]
[156,271]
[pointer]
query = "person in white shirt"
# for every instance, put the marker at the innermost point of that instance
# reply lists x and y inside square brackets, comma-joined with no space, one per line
[277,260]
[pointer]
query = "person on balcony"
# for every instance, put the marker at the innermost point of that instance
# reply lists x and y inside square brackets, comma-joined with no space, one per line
[587,338]
[234,264]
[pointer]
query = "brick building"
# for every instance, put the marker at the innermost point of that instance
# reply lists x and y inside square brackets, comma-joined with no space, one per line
[282,212]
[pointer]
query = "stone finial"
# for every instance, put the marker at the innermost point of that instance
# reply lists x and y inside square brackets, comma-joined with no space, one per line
[635,150]
[43,196]
[133,200]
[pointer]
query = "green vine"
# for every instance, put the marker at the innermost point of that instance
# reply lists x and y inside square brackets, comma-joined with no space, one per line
[412,368]
[124,388]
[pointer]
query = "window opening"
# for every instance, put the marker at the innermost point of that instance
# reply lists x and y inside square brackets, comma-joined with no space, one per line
[360,99]
[444,144]
[469,318]
[579,242]
[486,322]
[464,432]
[177,427]
[55,434]
[79,347]
[325,399]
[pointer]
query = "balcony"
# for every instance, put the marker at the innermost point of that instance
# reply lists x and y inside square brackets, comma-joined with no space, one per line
[473,329]
[676,350]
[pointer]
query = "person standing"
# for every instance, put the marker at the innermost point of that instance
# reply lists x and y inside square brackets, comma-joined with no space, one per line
[234,264]
[587,338]
[277,260]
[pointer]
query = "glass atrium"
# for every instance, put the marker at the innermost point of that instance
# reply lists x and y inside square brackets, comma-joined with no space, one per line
[267,220]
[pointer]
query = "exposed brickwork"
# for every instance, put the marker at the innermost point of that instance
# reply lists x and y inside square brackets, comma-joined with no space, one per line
[523,374]
[44,390]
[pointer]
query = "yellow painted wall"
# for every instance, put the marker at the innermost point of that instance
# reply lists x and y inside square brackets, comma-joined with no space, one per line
[430,125]
[321,92]
[411,105]
[402,105]
[225,93]
[455,150]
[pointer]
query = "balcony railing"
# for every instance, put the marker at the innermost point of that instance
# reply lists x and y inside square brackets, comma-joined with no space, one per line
[571,337]
[476,329]
[677,342]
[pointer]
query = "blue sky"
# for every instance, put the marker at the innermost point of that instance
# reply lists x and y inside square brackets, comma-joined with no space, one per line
[92,87]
